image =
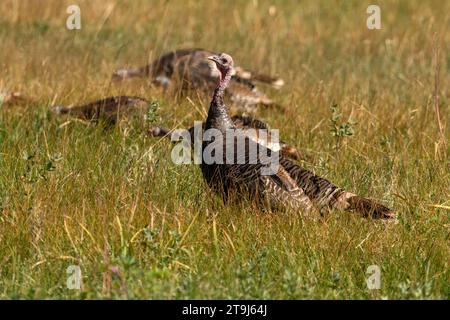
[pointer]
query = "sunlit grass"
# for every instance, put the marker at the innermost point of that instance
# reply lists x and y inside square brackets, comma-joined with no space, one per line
[76,194]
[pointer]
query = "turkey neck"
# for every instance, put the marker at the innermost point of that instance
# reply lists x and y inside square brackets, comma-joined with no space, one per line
[218,116]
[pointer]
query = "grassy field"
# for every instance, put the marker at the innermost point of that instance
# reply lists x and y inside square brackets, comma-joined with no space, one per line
[140,227]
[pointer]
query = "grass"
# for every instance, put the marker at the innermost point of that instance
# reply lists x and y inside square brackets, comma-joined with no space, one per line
[140,227]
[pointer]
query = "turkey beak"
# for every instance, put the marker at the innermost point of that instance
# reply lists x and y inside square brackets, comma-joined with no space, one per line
[213,58]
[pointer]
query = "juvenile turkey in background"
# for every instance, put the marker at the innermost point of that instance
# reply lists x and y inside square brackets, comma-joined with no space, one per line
[290,186]
[189,69]
[109,110]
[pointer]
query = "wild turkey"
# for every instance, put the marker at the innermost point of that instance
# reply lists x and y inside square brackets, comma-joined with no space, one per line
[250,127]
[110,109]
[189,69]
[289,185]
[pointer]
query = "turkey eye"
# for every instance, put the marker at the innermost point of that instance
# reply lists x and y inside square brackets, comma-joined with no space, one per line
[223,60]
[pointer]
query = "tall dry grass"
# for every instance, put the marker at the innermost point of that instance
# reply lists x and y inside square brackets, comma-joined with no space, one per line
[112,202]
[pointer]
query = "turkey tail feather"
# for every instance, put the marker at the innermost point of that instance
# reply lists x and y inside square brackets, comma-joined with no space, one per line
[326,195]
[264,78]
[126,73]
[369,208]
[273,81]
